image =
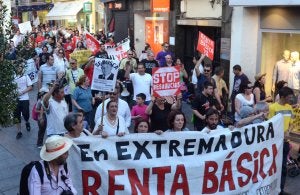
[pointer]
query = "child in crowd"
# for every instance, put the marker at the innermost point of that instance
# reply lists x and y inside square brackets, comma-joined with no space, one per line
[138,111]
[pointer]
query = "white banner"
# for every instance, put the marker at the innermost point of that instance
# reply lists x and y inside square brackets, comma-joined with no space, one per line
[31,71]
[105,74]
[118,52]
[244,161]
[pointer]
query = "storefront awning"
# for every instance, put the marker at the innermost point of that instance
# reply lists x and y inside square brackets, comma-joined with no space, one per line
[38,7]
[65,10]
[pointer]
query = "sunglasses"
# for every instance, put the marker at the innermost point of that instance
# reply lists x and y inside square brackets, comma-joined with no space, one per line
[73,63]
[112,93]
[130,54]
[205,70]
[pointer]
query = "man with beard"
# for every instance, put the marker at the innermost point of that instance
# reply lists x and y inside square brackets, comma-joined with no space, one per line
[212,120]
[56,176]
[201,104]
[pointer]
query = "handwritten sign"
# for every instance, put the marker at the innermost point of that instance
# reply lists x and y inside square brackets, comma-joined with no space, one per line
[82,56]
[206,45]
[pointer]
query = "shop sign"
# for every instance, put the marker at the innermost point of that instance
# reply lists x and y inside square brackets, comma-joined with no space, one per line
[206,45]
[166,81]
[87,7]
[160,5]
[117,5]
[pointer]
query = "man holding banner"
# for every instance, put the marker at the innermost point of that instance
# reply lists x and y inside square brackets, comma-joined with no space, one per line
[283,106]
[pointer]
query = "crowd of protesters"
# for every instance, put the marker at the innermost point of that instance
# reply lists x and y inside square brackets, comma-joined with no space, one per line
[67,106]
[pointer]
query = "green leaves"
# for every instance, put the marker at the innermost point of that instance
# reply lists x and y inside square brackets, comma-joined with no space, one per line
[8,92]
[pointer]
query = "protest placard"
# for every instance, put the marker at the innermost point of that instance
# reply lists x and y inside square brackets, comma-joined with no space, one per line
[166,81]
[105,74]
[119,51]
[31,71]
[82,56]
[244,161]
[25,27]
[206,45]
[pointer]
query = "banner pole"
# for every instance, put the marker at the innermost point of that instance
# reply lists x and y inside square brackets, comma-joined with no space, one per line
[102,111]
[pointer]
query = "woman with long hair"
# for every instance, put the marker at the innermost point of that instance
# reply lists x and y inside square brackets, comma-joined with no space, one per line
[244,98]
[259,89]
[111,124]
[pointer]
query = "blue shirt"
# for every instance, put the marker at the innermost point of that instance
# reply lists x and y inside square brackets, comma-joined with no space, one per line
[161,57]
[83,97]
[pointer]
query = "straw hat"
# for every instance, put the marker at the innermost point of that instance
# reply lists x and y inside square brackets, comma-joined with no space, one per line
[54,147]
[259,75]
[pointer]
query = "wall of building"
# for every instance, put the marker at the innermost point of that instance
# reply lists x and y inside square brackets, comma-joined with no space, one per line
[263,2]
[244,41]
[201,9]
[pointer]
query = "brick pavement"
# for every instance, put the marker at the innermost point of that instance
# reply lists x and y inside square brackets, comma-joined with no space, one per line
[14,154]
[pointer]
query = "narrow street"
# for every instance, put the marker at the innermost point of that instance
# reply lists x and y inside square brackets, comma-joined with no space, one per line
[14,154]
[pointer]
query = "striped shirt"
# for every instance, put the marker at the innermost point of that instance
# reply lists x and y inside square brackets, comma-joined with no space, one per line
[48,74]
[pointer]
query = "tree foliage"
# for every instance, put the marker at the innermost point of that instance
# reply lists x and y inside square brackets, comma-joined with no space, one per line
[8,93]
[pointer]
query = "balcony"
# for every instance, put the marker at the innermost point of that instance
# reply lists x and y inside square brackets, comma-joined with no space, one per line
[27,2]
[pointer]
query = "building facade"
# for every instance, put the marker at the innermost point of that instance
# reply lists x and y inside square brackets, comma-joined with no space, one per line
[179,24]
[261,30]
[87,14]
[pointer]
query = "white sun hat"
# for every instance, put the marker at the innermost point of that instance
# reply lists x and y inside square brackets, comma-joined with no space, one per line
[54,147]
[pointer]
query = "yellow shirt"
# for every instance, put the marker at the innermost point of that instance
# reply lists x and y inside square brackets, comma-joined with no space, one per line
[286,110]
[220,84]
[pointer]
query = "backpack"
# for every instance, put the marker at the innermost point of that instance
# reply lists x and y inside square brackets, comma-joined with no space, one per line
[34,113]
[26,172]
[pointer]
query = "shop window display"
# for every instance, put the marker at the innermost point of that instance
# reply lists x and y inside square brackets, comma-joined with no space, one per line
[280,60]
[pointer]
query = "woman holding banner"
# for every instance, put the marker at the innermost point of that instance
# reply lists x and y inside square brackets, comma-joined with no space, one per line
[159,109]
[176,121]
[111,124]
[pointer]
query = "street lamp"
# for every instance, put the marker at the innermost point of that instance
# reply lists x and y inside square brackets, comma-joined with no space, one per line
[212,2]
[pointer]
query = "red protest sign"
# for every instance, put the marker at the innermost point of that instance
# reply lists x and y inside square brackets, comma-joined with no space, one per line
[166,81]
[206,45]
[92,43]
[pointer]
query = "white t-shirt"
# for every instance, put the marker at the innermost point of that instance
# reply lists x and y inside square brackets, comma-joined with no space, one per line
[243,102]
[55,114]
[194,76]
[123,111]
[48,74]
[23,82]
[112,129]
[141,84]
[61,64]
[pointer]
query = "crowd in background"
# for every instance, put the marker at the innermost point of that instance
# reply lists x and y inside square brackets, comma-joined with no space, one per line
[66,105]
